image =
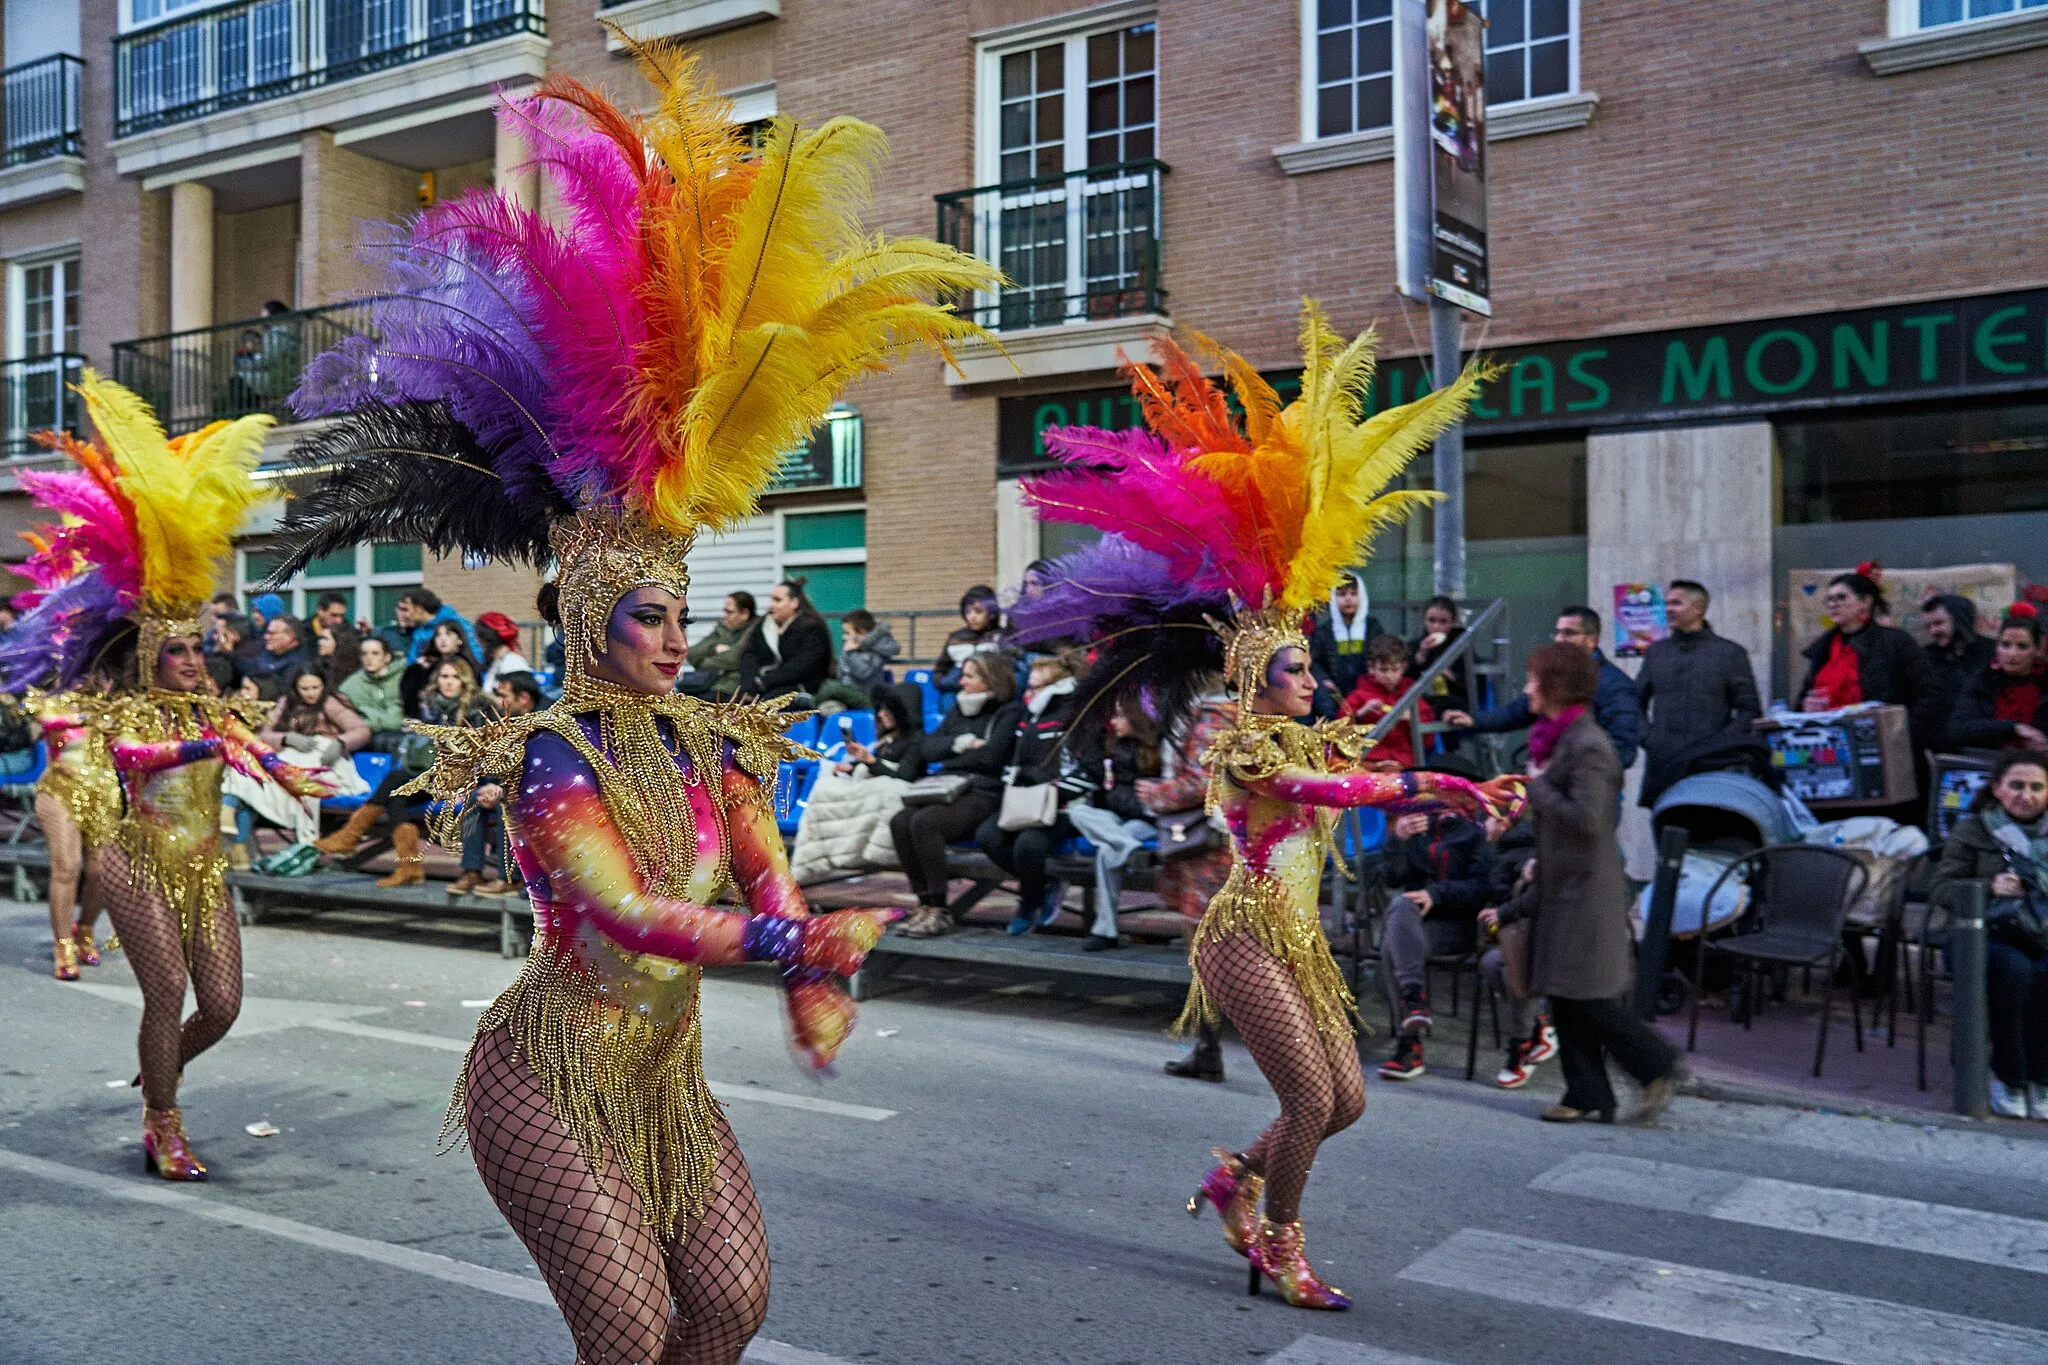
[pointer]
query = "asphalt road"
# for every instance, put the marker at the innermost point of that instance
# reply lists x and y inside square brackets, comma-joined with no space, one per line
[993,1176]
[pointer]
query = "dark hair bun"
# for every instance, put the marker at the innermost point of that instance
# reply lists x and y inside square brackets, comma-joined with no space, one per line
[548,602]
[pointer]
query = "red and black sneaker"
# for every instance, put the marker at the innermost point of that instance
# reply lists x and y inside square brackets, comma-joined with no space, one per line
[1415,1020]
[1406,1063]
[1544,1045]
[1520,1066]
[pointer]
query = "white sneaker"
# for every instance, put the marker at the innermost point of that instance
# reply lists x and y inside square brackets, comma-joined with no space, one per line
[1546,1044]
[2007,1102]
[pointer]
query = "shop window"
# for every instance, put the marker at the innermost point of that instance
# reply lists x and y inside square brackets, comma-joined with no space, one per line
[1957,462]
[1517,492]
[829,550]
[370,576]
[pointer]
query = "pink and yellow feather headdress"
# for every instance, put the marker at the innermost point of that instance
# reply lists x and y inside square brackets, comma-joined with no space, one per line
[597,392]
[143,524]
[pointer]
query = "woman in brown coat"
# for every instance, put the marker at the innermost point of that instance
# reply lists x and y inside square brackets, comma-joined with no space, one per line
[1581,952]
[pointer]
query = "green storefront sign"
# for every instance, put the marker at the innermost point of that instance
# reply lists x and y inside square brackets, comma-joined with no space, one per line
[1996,343]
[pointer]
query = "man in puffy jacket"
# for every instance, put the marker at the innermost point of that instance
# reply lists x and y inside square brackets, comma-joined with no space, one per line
[1699,692]
[1955,651]
[1615,708]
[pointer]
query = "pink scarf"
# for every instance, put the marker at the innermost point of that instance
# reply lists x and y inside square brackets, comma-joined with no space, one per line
[1543,737]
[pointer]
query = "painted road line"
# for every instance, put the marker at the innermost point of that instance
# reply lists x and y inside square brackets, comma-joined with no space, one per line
[525,1288]
[1710,1305]
[266,1015]
[162,1195]
[1324,1351]
[1846,1215]
[1949,1150]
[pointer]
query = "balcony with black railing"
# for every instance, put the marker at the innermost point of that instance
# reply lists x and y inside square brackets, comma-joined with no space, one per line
[39,101]
[236,368]
[242,54]
[1078,247]
[37,396]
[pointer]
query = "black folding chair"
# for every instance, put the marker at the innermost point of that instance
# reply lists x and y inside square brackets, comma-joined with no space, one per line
[1799,897]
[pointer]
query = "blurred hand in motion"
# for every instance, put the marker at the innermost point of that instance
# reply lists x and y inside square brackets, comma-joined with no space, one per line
[838,942]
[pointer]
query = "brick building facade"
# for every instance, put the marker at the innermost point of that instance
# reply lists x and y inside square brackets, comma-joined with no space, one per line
[1669,168]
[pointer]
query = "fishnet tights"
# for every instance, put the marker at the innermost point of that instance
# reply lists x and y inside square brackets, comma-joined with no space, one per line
[1316,1075]
[68,857]
[631,1296]
[149,935]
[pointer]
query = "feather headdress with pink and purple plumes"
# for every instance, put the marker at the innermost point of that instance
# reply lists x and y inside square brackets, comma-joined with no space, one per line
[656,349]
[85,573]
[1208,510]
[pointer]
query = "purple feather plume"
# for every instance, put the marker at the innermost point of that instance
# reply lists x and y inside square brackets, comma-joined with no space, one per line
[54,644]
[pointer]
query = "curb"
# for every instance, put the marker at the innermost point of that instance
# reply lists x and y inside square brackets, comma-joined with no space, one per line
[1736,1093]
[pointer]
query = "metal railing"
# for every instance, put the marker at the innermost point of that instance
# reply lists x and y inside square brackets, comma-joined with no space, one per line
[38,397]
[39,101]
[235,368]
[1075,247]
[266,49]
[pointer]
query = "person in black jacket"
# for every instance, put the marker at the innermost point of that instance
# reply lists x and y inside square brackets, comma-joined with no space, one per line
[1452,690]
[1039,757]
[1441,870]
[1956,653]
[1860,660]
[1698,691]
[972,741]
[899,735]
[790,651]
[1336,647]
[2006,705]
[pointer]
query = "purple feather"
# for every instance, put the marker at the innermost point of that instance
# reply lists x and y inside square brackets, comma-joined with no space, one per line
[1106,586]
[53,645]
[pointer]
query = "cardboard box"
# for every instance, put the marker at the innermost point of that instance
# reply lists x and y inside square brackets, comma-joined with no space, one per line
[1843,759]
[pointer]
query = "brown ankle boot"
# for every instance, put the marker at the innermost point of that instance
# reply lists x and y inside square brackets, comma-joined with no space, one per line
[343,841]
[405,842]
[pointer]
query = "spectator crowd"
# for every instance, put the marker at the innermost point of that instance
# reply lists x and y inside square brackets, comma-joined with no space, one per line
[978,747]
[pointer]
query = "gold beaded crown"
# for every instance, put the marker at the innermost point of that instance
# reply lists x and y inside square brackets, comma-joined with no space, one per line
[1252,638]
[604,556]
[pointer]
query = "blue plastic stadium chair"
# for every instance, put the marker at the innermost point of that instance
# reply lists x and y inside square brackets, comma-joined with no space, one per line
[804,732]
[373,767]
[1080,846]
[1363,830]
[793,782]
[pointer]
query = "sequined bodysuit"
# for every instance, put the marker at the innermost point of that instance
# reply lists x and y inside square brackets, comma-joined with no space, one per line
[1277,786]
[628,823]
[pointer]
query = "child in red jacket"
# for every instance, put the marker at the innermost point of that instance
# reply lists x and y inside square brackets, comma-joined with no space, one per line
[1385,680]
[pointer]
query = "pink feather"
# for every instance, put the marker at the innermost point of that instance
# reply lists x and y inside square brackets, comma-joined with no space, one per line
[1132,484]
[102,534]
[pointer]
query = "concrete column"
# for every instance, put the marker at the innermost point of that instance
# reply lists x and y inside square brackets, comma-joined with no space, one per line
[514,178]
[191,256]
[1684,502]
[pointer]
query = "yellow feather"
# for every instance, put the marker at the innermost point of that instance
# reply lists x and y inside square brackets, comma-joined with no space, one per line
[1342,463]
[190,495]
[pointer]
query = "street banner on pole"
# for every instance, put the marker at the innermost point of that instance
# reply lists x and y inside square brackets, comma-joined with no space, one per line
[1457,134]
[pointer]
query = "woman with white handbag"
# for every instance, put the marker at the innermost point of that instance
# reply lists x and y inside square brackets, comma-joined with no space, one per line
[1042,777]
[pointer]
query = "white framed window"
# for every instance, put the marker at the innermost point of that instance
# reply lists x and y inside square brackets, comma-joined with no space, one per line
[370,576]
[43,306]
[1067,197]
[828,546]
[42,349]
[1917,16]
[1532,52]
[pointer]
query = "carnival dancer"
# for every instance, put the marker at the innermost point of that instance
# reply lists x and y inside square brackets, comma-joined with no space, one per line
[596,395]
[147,517]
[78,806]
[1222,537]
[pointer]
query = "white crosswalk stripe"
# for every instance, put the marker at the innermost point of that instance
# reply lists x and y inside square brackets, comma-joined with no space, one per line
[1712,1305]
[1324,1351]
[1845,1215]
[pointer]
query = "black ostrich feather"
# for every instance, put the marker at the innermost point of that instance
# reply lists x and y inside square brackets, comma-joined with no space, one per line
[412,473]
